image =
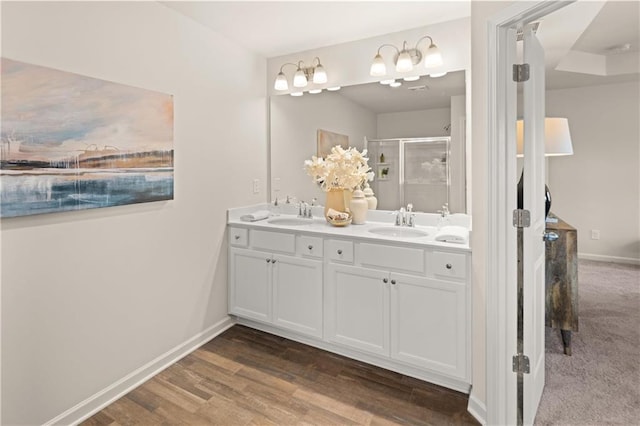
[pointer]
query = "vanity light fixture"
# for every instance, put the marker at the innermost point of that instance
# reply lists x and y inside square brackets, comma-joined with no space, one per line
[316,73]
[407,57]
[334,88]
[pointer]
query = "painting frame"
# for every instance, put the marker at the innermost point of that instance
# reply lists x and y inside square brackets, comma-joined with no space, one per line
[73,142]
[327,140]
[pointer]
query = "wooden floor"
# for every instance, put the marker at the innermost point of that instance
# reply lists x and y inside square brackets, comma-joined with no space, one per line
[247,377]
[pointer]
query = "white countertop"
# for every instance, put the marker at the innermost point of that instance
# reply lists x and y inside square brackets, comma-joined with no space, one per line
[426,222]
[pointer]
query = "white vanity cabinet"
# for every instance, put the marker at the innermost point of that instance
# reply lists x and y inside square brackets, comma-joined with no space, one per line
[399,305]
[407,303]
[270,287]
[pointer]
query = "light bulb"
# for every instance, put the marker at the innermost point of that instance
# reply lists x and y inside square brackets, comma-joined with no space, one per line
[404,63]
[299,79]
[412,78]
[296,93]
[334,88]
[319,75]
[378,68]
[432,58]
[395,84]
[438,74]
[387,81]
[315,91]
[281,82]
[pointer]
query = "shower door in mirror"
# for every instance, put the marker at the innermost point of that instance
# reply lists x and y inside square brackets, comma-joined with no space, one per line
[425,179]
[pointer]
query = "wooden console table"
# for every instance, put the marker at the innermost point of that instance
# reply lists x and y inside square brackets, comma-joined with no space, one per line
[561,281]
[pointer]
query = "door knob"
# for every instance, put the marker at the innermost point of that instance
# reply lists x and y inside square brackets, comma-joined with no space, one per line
[550,236]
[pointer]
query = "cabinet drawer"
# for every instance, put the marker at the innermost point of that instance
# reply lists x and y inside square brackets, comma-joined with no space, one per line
[451,265]
[309,246]
[273,241]
[341,251]
[398,258]
[238,237]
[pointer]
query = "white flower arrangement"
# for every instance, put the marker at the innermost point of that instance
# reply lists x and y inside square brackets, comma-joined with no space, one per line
[342,169]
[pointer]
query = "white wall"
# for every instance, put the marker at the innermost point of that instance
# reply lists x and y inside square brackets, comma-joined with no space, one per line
[414,124]
[294,125]
[599,186]
[90,296]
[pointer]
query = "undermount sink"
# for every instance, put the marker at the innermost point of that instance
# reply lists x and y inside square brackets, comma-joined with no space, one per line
[397,231]
[289,221]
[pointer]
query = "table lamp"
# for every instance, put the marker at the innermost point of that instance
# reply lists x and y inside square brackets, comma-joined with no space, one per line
[557,142]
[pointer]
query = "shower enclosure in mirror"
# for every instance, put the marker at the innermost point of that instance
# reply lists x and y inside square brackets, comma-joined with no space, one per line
[411,170]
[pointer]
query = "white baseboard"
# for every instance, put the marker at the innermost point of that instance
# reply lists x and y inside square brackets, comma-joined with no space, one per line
[614,259]
[477,408]
[101,399]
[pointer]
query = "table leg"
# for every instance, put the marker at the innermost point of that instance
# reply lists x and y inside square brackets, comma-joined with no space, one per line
[566,341]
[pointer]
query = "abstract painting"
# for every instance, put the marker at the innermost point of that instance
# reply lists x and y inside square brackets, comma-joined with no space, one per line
[70,142]
[327,140]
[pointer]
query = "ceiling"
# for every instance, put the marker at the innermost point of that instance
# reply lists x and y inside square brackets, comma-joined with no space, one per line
[580,40]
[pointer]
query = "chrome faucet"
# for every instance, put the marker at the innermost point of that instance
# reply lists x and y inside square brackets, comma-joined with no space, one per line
[401,217]
[304,210]
[410,218]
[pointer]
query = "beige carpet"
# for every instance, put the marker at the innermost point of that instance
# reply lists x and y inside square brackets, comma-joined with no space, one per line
[600,383]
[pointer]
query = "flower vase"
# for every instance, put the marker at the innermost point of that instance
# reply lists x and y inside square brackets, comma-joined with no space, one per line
[335,201]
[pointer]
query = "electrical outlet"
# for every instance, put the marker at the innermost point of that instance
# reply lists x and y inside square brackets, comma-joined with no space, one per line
[595,234]
[256,186]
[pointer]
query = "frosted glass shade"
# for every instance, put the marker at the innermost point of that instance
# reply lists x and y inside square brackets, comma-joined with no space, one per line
[378,68]
[404,63]
[299,79]
[319,75]
[432,57]
[557,138]
[281,82]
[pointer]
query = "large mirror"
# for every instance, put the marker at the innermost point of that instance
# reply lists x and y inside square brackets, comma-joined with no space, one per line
[387,121]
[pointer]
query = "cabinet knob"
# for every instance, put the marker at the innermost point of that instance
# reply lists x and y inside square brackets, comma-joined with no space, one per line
[237,237]
[384,280]
[268,260]
[310,247]
[449,266]
[273,261]
[393,282]
[339,251]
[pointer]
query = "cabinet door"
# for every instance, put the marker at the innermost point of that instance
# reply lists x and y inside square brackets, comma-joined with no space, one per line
[250,289]
[429,324]
[357,308]
[297,294]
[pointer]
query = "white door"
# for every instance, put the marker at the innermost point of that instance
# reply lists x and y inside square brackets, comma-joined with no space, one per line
[428,323]
[297,294]
[250,290]
[533,244]
[357,308]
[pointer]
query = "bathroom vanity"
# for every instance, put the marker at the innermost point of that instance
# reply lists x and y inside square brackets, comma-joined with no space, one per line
[386,295]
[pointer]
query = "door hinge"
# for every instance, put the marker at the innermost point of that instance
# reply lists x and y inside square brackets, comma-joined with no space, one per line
[520,72]
[521,218]
[520,364]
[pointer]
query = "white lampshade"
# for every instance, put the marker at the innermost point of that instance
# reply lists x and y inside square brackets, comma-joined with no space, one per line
[404,63]
[299,79]
[378,68]
[281,82]
[557,139]
[432,57]
[319,75]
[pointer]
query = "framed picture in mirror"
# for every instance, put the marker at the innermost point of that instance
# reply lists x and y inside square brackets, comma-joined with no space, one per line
[327,140]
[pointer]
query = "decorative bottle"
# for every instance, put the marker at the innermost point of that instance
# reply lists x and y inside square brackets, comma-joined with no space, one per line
[358,207]
[372,201]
